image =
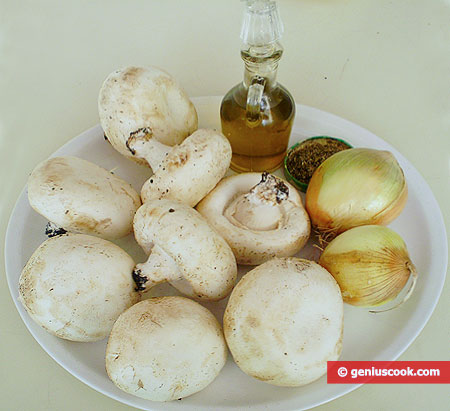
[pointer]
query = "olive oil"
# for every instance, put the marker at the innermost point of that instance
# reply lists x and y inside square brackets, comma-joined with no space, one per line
[257,114]
[259,145]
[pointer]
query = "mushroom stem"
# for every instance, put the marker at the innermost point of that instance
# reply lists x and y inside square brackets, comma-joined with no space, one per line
[158,268]
[142,144]
[258,209]
[270,190]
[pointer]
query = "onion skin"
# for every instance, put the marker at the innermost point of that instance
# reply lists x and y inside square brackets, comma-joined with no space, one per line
[371,265]
[355,187]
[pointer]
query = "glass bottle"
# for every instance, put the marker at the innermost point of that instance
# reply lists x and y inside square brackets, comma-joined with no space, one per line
[257,114]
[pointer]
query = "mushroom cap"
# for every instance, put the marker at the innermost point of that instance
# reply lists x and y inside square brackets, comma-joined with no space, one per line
[250,245]
[190,170]
[82,197]
[205,262]
[75,286]
[284,321]
[136,98]
[165,348]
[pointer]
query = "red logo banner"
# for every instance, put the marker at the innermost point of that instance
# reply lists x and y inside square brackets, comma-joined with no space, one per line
[388,372]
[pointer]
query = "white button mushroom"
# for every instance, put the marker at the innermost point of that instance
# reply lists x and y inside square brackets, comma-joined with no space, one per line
[260,216]
[143,103]
[144,113]
[284,321]
[82,197]
[184,251]
[75,286]
[191,170]
[165,348]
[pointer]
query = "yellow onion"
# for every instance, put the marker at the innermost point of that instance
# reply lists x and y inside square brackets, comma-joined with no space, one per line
[371,265]
[355,187]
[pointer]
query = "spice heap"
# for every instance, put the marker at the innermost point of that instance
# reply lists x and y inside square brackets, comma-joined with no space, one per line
[304,158]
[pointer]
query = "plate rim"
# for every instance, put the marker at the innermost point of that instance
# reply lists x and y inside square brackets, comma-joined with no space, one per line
[212,100]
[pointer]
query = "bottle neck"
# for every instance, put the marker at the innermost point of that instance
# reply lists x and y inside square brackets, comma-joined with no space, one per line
[261,61]
[269,74]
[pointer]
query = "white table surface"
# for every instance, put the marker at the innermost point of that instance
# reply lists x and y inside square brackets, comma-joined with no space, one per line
[384,65]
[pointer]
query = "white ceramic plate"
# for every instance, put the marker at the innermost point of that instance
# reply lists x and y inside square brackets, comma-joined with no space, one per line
[366,337]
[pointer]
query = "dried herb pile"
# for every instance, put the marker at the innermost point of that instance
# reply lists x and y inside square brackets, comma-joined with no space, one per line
[303,160]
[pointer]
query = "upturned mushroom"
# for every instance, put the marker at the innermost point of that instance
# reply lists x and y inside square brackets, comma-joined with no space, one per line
[284,321]
[189,171]
[79,196]
[75,286]
[141,104]
[260,216]
[165,348]
[183,250]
